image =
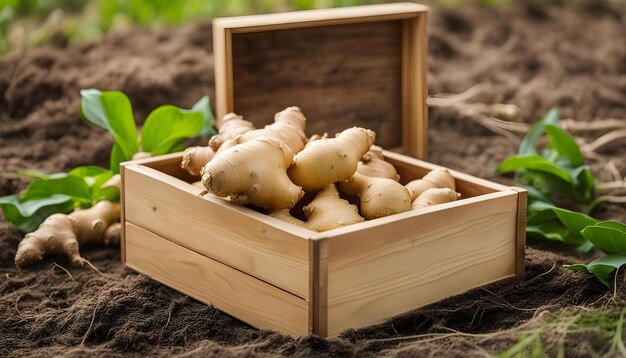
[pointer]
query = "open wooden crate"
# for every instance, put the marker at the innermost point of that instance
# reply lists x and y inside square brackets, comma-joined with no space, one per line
[279,276]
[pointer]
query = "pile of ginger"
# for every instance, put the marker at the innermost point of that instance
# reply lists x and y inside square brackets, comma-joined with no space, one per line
[278,169]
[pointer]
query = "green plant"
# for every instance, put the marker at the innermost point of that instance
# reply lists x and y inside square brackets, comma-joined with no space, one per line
[163,131]
[95,188]
[82,187]
[559,173]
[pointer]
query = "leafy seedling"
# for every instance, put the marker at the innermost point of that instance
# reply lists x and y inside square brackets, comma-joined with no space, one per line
[558,172]
[82,187]
[163,131]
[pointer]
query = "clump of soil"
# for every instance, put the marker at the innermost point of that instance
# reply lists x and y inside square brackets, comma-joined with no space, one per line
[534,55]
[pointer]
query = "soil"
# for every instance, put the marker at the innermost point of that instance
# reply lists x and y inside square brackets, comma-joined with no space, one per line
[535,55]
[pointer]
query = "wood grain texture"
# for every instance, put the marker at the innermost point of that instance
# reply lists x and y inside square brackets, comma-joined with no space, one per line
[320,17]
[318,304]
[340,76]
[236,293]
[387,269]
[122,215]
[234,235]
[414,86]
[522,207]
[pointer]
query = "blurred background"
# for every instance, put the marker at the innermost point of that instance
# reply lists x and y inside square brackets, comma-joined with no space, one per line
[32,23]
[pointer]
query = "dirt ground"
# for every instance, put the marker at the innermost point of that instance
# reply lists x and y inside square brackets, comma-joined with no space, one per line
[533,55]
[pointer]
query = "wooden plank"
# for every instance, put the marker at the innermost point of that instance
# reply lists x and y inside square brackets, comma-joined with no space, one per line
[122,215]
[318,304]
[522,206]
[236,293]
[340,76]
[254,243]
[415,89]
[468,185]
[387,269]
[321,17]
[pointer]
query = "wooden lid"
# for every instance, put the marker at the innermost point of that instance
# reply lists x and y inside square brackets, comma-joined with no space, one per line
[356,66]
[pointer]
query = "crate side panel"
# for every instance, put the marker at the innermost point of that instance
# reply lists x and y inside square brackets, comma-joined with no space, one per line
[226,235]
[341,76]
[389,269]
[243,296]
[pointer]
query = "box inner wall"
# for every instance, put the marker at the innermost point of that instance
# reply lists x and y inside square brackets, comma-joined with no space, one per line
[341,76]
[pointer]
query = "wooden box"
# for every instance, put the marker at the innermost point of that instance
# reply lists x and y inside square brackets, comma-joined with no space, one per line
[278,276]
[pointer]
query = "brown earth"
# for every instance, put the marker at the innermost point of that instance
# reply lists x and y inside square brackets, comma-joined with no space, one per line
[533,55]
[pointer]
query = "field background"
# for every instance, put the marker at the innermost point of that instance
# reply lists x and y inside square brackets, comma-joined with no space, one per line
[533,54]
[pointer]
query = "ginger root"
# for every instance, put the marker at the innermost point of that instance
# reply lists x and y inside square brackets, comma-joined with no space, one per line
[325,212]
[373,164]
[435,196]
[63,234]
[254,172]
[437,178]
[195,158]
[285,215]
[328,211]
[230,127]
[327,161]
[378,197]
[288,126]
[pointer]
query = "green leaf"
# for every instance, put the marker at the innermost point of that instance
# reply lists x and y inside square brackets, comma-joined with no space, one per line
[608,236]
[564,144]
[70,185]
[534,162]
[88,171]
[574,221]
[166,126]
[112,111]
[117,157]
[528,145]
[603,267]
[555,232]
[26,216]
[584,184]
[203,106]
[534,194]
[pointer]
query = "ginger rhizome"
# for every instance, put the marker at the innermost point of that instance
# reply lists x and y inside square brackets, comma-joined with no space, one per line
[437,178]
[326,161]
[63,234]
[254,172]
[288,126]
[231,126]
[325,212]
[195,158]
[329,211]
[435,196]
[373,164]
[285,215]
[378,197]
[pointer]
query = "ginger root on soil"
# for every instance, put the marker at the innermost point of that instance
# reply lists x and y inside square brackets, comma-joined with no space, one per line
[326,161]
[437,178]
[328,211]
[378,197]
[435,196]
[254,172]
[64,234]
[373,164]
[288,126]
